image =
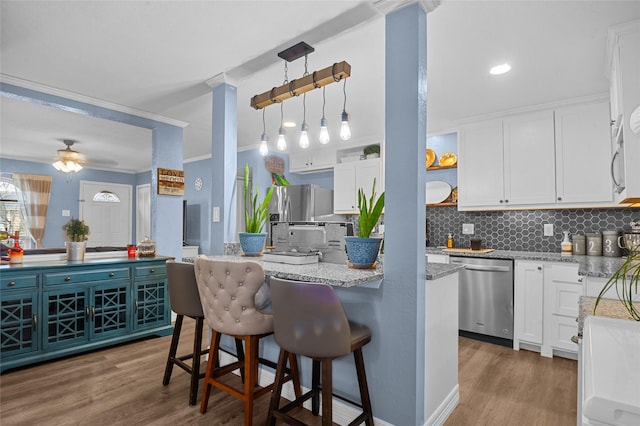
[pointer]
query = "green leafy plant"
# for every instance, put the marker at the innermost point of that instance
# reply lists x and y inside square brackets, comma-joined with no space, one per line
[626,279]
[371,149]
[369,212]
[76,230]
[255,213]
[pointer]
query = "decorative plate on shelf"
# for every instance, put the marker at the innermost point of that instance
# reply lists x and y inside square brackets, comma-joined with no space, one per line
[437,192]
[431,157]
[448,159]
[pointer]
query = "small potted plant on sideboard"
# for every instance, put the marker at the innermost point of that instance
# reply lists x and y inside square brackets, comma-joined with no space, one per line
[77,233]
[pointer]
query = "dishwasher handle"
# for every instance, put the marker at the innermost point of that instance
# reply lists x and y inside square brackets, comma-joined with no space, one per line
[487,268]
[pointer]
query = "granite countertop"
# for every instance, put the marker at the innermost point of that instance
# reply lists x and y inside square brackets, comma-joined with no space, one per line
[336,274]
[611,308]
[590,266]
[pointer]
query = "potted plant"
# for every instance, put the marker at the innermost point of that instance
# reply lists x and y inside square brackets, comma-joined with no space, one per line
[626,279]
[372,151]
[255,216]
[77,233]
[362,250]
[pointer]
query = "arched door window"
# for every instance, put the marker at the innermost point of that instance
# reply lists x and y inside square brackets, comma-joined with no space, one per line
[106,197]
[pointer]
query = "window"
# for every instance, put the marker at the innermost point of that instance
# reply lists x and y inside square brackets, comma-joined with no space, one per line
[106,197]
[11,214]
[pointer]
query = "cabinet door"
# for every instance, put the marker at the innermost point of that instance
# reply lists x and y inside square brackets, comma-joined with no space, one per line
[344,188]
[298,161]
[562,330]
[109,310]
[480,161]
[366,172]
[528,302]
[151,303]
[583,154]
[529,159]
[322,159]
[18,322]
[65,316]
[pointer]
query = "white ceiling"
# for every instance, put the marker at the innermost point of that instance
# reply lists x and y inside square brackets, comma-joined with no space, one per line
[156,56]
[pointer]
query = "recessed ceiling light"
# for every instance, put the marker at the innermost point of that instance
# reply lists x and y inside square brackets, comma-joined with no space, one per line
[289,124]
[500,69]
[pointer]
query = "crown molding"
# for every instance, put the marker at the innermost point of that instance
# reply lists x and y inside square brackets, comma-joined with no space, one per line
[221,78]
[26,84]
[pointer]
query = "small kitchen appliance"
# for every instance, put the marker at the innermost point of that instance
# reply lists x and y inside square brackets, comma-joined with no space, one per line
[300,242]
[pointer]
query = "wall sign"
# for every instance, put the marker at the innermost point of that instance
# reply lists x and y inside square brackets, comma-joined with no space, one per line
[170,182]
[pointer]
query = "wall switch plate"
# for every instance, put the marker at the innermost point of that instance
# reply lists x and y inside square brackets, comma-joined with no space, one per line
[216,214]
[66,213]
[548,229]
[468,228]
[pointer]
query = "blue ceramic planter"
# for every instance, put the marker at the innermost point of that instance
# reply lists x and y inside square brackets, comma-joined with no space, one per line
[252,244]
[362,252]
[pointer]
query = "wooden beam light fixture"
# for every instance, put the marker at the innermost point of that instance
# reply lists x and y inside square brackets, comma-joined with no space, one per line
[306,83]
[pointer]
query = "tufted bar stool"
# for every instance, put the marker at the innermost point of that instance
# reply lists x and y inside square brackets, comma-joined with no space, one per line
[309,320]
[227,293]
[185,301]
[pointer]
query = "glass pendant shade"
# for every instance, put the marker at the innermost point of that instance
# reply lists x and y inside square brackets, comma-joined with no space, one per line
[67,166]
[264,148]
[324,132]
[345,130]
[304,136]
[282,140]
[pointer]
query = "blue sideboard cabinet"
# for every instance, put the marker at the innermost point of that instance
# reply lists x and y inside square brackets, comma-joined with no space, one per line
[54,309]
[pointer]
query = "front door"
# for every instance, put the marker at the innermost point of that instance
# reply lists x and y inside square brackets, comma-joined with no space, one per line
[106,209]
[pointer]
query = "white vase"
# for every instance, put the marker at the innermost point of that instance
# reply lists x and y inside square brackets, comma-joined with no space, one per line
[75,250]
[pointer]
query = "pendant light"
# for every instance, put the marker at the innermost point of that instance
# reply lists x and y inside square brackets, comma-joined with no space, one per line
[264,148]
[324,132]
[345,130]
[304,129]
[282,138]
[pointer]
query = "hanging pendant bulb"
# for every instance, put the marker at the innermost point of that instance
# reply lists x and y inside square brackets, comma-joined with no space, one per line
[264,148]
[282,137]
[345,130]
[324,132]
[304,129]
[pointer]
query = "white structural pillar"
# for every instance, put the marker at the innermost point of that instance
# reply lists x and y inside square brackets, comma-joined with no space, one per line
[405,174]
[224,153]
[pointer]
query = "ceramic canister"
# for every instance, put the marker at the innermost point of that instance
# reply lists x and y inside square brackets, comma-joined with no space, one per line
[579,244]
[594,244]
[610,243]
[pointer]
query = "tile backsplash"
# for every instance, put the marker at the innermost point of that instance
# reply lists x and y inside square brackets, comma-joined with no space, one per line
[523,229]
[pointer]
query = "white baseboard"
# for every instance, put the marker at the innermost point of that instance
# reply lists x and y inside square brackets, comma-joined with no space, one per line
[342,413]
[445,409]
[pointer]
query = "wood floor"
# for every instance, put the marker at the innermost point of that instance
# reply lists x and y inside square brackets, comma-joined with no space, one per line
[123,385]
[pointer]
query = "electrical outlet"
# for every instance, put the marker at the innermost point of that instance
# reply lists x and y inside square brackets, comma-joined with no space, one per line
[548,229]
[216,214]
[66,213]
[468,228]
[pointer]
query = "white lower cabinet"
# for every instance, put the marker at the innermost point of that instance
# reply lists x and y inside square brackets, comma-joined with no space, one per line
[528,303]
[546,296]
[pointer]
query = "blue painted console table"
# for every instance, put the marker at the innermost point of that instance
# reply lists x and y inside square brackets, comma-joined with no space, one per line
[58,308]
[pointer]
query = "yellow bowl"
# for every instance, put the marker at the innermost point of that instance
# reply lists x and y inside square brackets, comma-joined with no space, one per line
[448,159]
[431,157]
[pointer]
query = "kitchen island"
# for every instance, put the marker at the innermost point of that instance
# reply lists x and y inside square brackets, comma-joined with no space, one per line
[364,296]
[54,308]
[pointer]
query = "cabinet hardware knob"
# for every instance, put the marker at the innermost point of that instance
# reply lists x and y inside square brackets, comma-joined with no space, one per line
[501,201]
[559,198]
[136,306]
[35,321]
[539,268]
[12,283]
[86,312]
[580,279]
[574,339]
[111,274]
[152,270]
[506,201]
[67,278]
[93,312]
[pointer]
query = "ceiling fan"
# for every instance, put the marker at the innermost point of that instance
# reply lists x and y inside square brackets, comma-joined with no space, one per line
[68,160]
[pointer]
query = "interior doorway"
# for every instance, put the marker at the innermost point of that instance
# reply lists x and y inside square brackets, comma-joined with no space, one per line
[143,212]
[106,209]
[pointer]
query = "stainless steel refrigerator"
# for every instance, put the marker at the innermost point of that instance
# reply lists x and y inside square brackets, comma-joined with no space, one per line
[295,203]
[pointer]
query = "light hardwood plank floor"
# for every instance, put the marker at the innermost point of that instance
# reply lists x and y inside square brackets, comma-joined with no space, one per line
[122,385]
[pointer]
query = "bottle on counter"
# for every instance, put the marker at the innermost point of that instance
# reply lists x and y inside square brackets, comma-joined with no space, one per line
[566,245]
[449,241]
[16,252]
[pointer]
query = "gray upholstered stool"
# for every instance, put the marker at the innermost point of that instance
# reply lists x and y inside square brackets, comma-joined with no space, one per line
[227,293]
[309,320]
[185,301]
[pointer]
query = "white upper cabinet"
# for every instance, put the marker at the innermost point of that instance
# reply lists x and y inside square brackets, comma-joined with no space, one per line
[529,159]
[312,161]
[349,177]
[583,153]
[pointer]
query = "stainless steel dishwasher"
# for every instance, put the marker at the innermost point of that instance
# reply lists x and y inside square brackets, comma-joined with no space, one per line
[486,299]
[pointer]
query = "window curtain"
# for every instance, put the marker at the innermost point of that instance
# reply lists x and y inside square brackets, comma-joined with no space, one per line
[35,191]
